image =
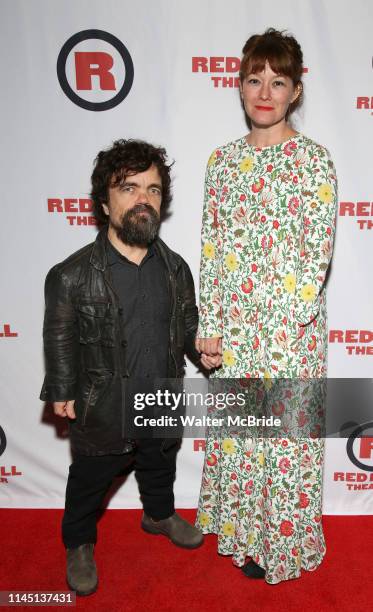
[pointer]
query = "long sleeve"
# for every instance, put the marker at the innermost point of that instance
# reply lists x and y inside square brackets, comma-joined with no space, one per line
[61,340]
[210,317]
[319,198]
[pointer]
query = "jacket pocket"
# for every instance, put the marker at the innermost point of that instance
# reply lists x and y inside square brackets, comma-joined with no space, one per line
[95,394]
[96,324]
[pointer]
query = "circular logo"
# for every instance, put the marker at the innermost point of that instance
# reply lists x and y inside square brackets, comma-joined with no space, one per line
[2,441]
[351,447]
[104,75]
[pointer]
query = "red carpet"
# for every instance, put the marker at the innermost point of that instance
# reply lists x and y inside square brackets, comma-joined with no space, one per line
[139,572]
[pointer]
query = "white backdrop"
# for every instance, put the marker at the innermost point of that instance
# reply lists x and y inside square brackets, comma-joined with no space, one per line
[48,146]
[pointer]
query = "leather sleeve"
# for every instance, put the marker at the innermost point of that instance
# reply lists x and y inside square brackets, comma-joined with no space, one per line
[190,315]
[61,339]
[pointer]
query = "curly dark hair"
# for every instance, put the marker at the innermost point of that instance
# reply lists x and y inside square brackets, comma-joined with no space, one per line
[122,159]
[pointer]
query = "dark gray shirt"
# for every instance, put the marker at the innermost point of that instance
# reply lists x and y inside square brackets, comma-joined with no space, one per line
[144,298]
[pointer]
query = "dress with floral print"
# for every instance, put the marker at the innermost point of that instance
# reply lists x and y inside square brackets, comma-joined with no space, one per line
[267,240]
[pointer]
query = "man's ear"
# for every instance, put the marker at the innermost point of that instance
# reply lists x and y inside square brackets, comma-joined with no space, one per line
[105,209]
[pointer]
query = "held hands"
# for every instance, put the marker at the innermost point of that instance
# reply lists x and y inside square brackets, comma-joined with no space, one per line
[64,409]
[211,352]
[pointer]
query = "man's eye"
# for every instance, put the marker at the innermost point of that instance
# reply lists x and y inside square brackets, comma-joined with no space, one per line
[156,191]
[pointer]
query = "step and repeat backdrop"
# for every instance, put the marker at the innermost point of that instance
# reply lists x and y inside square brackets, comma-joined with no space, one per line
[78,74]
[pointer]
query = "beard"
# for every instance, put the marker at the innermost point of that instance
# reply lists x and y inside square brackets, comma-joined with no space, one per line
[136,228]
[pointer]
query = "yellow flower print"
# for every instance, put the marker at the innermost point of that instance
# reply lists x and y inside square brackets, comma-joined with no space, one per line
[250,538]
[325,193]
[228,446]
[203,519]
[261,459]
[231,262]
[229,358]
[228,529]
[308,293]
[267,379]
[212,159]
[247,164]
[289,283]
[208,250]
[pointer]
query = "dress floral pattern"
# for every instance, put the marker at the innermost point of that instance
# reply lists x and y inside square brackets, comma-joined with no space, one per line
[267,240]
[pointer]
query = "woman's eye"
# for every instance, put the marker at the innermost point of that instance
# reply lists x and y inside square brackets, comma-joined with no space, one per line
[279,83]
[253,81]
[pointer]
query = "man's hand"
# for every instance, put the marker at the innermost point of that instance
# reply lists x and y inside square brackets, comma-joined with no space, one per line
[65,409]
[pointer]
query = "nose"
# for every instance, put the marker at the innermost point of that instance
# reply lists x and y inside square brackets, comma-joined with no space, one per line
[142,196]
[265,92]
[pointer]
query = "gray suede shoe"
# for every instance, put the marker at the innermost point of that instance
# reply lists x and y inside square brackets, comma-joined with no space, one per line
[179,531]
[81,574]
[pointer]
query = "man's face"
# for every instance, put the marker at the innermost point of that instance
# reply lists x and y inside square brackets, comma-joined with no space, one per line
[134,207]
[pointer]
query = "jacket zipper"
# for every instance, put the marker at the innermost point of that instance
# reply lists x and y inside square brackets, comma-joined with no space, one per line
[87,405]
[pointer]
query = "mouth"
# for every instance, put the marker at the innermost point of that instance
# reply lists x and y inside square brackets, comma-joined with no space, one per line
[265,108]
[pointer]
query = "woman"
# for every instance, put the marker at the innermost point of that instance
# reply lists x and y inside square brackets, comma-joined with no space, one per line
[267,239]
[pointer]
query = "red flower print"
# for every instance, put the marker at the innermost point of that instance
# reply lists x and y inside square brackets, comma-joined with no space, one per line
[318,518]
[286,528]
[284,465]
[242,197]
[249,487]
[276,224]
[269,168]
[293,205]
[263,218]
[290,147]
[212,460]
[304,501]
[234,297]
[329,231]
[247,286]
[254,267]
[258,186]
[255,343]
[278,408]
[302,418]
[309,529]
[212,191]
[267,242]
[312,344]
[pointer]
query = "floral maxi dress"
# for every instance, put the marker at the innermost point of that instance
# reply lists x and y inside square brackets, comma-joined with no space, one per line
[267,239]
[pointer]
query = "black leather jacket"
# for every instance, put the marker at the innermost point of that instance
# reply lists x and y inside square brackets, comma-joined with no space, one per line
[85,351]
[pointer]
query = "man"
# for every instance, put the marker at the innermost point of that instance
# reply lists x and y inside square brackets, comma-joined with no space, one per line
[118,311]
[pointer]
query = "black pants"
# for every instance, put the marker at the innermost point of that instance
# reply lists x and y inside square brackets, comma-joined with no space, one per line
[90,479]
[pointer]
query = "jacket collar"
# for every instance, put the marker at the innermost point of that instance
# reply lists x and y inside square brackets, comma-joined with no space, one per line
[99,256]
